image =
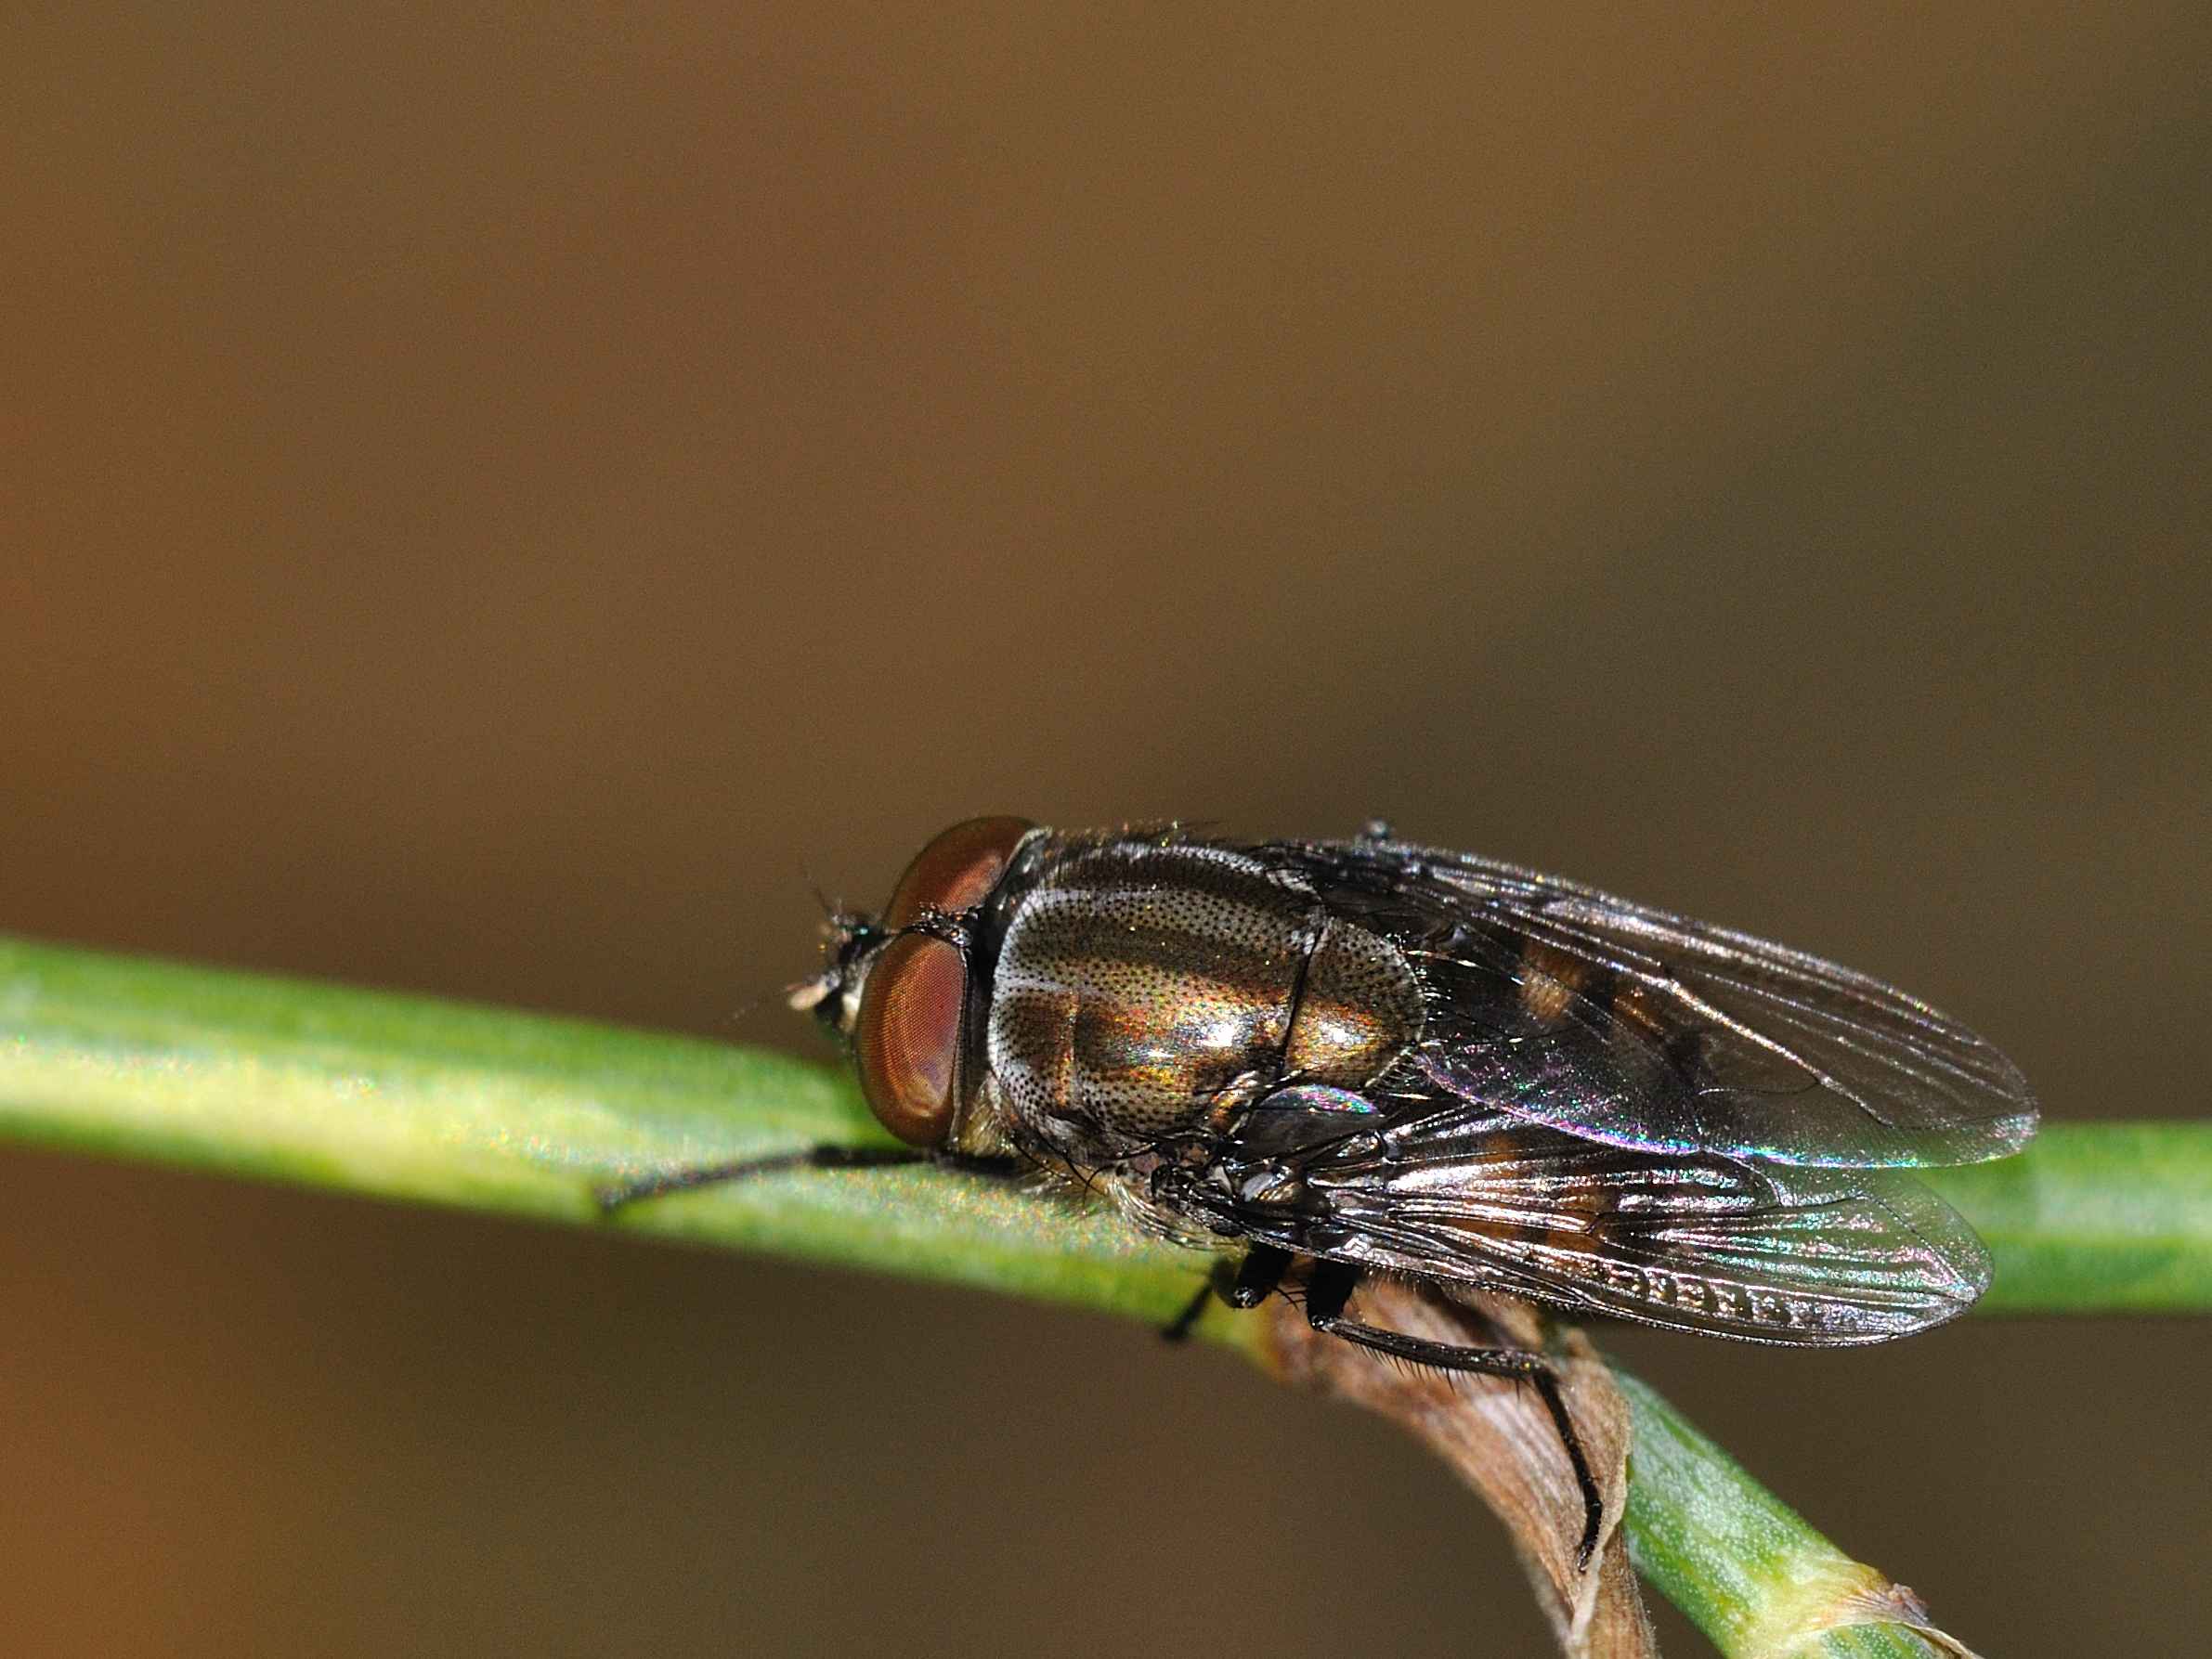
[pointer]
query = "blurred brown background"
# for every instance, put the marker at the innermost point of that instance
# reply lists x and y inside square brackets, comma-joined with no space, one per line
[486,491]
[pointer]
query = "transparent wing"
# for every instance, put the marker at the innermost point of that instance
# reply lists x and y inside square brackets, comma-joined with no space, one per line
[1810,1256]
[1564,1005]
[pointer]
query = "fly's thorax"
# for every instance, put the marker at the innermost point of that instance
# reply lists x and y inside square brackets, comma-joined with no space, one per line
[1141,990]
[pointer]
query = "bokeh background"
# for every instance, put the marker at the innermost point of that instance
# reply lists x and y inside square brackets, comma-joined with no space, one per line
[487,491]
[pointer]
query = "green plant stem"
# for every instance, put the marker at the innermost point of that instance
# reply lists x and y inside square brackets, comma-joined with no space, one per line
[408,1099]
[515,1114]
[1742,1564]
[2095,1218]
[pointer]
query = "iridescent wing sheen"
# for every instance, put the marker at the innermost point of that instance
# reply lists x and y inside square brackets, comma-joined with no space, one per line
[1568,1006]
[1818,1257]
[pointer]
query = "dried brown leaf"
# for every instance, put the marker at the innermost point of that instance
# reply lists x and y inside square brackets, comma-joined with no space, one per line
[1498,1435]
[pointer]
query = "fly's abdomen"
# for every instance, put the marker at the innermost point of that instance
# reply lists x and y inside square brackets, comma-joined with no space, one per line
[1140,988]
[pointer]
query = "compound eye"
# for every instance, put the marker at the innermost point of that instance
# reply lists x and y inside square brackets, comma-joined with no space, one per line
[955,871]
[909,1036]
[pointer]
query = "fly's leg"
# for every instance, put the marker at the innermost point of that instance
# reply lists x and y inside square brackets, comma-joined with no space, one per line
[1257,1275]
[1217,1280]
[1330,1288]
[1247,1286]
[618,1195]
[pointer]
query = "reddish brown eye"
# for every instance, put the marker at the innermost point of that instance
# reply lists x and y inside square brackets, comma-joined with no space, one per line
[955,871]
[909,1035]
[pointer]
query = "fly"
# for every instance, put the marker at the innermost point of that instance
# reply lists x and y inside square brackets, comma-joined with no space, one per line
[1329,1060]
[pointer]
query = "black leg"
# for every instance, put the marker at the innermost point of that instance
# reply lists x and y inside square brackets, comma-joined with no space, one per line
[1331,1288]
[619,1194]
[1257,1275]
[1250,1283]
[1217,1284]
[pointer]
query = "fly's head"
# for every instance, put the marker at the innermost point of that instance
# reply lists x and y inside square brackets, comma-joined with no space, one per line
[849,941]
[896,987]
